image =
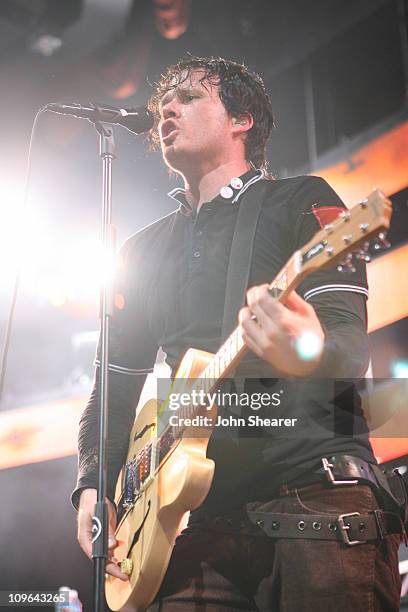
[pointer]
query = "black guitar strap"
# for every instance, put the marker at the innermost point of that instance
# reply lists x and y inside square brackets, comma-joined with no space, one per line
[240,259]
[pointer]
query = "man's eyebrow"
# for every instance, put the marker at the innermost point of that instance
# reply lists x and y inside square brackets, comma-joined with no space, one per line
[185,90]
[168,95]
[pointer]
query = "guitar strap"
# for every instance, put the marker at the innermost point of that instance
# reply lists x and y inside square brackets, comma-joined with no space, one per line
[240,259]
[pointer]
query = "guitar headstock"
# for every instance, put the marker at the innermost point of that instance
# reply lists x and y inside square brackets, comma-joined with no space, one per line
[350,232]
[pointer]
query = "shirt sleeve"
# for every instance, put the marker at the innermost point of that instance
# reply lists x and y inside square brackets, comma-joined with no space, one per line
[132,352]
[339,298]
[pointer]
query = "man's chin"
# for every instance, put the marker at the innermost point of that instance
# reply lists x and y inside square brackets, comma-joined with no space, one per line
[176,158]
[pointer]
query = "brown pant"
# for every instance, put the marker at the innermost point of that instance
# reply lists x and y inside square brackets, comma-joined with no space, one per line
[215,571]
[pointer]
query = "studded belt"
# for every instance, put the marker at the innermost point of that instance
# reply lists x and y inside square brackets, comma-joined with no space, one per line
[350,528]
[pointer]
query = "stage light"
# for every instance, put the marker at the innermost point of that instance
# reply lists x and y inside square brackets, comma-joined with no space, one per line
[308,345]
[399,369]
[79,270]
[45,44]
[55,268]
[24,234]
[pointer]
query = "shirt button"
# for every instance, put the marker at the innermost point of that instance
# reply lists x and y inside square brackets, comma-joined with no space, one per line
[196,254]
[226,192]
[199,233]
[236,183]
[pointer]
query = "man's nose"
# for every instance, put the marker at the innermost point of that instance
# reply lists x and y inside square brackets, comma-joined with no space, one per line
[170,109]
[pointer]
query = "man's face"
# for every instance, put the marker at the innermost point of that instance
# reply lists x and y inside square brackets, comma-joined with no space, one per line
[194,126]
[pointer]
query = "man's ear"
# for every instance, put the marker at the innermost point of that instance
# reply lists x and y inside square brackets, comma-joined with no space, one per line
[242,123]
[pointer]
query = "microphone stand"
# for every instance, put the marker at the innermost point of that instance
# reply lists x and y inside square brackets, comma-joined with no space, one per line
[100,518]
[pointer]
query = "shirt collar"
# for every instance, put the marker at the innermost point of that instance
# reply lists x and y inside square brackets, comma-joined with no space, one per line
[229,193]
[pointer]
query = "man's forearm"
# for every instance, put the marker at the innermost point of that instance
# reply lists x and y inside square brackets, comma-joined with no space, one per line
[124,391]
[346,348]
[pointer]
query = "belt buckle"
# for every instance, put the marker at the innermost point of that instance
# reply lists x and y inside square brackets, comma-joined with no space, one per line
[327,466]
[344,529]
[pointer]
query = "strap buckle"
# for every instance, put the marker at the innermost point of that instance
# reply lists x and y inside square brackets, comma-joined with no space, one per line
[327,466]
[344,529]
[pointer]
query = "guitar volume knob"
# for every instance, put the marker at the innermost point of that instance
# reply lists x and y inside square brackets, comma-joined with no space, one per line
[126,566]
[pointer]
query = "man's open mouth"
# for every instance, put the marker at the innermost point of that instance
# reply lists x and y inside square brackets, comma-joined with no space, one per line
[169,130]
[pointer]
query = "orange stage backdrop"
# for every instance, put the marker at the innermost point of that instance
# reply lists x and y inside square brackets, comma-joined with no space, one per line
[388,288]
[40,432]
[382,163]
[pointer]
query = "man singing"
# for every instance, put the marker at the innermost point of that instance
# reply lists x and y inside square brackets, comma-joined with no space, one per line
[212,120]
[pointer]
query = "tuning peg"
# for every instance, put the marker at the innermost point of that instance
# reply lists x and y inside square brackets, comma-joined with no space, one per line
[381,243]
[347,265]
[346,269]
[363,255]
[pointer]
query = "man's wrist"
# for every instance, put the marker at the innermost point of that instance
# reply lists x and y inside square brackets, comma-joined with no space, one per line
[86,494]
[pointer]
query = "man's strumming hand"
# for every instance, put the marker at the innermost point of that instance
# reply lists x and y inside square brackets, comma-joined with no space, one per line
[86,510]
[289,337]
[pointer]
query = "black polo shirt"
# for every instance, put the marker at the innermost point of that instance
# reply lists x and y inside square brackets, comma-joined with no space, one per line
[170,292]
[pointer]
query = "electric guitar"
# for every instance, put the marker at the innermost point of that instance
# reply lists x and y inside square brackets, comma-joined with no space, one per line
[167,472]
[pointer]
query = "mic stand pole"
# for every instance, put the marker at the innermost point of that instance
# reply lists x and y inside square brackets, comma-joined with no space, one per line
[100,518]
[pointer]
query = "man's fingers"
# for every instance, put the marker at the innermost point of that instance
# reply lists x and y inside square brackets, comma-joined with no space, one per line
[112,566]
[294,302]
[85,542]
[248,323]
[259,294]
[257,323]
[259,299]
[85,532]
[264,319]
[256,294]
[112,541]
[252,333]
[113,569]
[85,535]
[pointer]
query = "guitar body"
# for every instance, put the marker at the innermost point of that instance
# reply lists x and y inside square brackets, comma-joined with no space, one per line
[180,484]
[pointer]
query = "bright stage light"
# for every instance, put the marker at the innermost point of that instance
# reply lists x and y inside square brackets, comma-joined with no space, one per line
[399,369]
[308,345]
[56,267]
[79,270]
[24,235]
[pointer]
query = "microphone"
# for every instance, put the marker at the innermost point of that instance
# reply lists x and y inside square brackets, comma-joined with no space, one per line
[137,120]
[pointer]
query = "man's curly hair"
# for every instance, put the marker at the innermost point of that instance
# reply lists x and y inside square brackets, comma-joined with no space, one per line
[240,90]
